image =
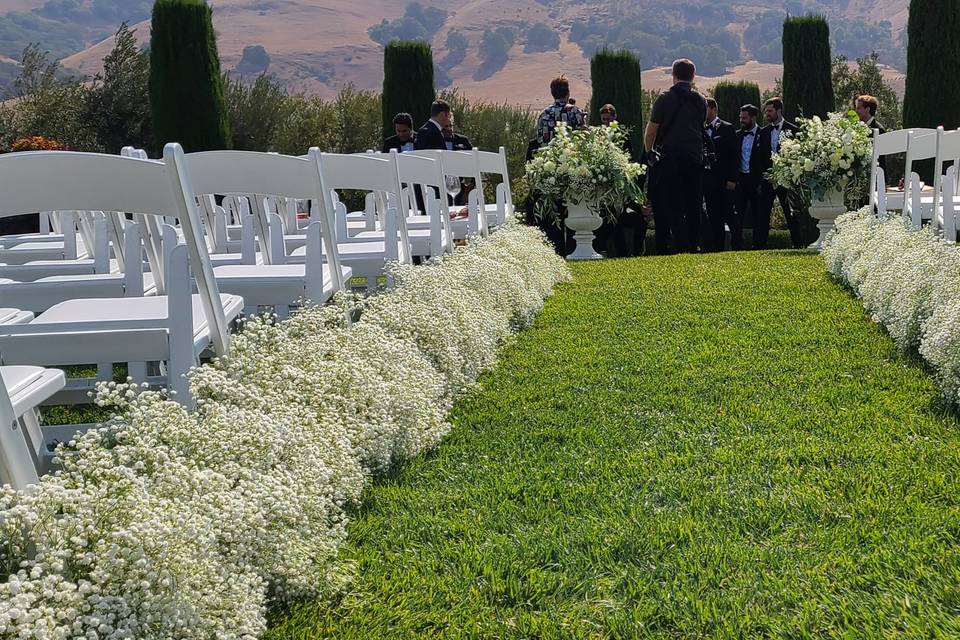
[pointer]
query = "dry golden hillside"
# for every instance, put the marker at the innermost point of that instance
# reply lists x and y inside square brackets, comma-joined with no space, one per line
[317,46]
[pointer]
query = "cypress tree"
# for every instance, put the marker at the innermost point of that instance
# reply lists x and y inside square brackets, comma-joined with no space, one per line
[407,82]
[186,88]
[615,77]
[932,95]
[730,96]
[807,72]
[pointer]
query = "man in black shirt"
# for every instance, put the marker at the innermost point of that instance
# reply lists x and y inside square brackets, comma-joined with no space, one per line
[675,133]
[404,140]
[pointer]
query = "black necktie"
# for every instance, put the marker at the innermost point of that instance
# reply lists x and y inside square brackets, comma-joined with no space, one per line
[748,133]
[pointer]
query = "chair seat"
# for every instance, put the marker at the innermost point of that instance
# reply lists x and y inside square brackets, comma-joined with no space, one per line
[28,386]
[39,295]
[15,316]
[273,284]
[367,250]
[86,314]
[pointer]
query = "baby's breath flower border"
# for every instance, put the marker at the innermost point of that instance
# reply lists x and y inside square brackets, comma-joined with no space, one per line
[168,524]
[908,281]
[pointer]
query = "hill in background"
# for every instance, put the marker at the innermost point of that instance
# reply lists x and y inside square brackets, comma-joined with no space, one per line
[498,50]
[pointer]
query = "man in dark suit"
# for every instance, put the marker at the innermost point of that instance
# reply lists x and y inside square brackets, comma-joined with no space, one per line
[720,180]
[430,135]
[754,160]
[454,141]
[776,127]
[866,107]
[404,139]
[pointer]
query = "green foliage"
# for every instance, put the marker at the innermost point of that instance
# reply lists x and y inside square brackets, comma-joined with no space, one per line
[662,452]
[118,108]
[418,23]
[495,48]
[254,61]
[408,84]
[866,78]
[255,111]
[933,65]
[730,96]
[660,34]
[807,80]
[456,45]
[541,37]
[186,87]
[851,37]
[615,79]
[49,105]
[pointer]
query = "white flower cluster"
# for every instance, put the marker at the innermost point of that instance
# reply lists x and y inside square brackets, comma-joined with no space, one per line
[825,155]
[909,281]
[587,166]
[168,524]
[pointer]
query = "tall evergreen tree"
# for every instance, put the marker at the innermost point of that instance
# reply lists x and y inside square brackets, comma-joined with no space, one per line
[186,88]
[407,82]
[730,96]
[807,81]
[933,65]
[615,76]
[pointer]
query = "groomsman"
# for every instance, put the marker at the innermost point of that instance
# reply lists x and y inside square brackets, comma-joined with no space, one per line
[866,107]
[720,180]
[430,135]
[755,159]
[403,140]
[776,127]
[453,140]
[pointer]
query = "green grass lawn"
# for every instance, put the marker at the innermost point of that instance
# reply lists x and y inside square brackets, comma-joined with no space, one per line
[695,446]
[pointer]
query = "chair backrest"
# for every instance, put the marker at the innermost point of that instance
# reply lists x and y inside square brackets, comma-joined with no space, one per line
[946,220]
[495,163]
[889,143]
[921,145]
[948,150]
[66,180]
[16,462]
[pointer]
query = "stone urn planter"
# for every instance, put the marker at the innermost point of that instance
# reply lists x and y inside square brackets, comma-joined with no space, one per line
[583,223]
[825,212]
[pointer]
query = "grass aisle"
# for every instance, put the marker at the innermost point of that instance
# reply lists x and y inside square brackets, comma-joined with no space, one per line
[715,446]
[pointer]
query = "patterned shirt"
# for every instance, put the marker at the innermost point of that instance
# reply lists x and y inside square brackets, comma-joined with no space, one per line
[559,111]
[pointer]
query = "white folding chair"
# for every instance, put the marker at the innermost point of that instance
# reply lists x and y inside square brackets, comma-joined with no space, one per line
[433,234]
[464,164]
[174,328]
[920,146]
[887,144]
[366,173]
[22,390]
[496,164]
[275,284]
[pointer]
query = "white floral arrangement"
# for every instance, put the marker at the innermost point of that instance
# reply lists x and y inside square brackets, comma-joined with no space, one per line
[825,155]
[908,281]
[585,166]
[168,524]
